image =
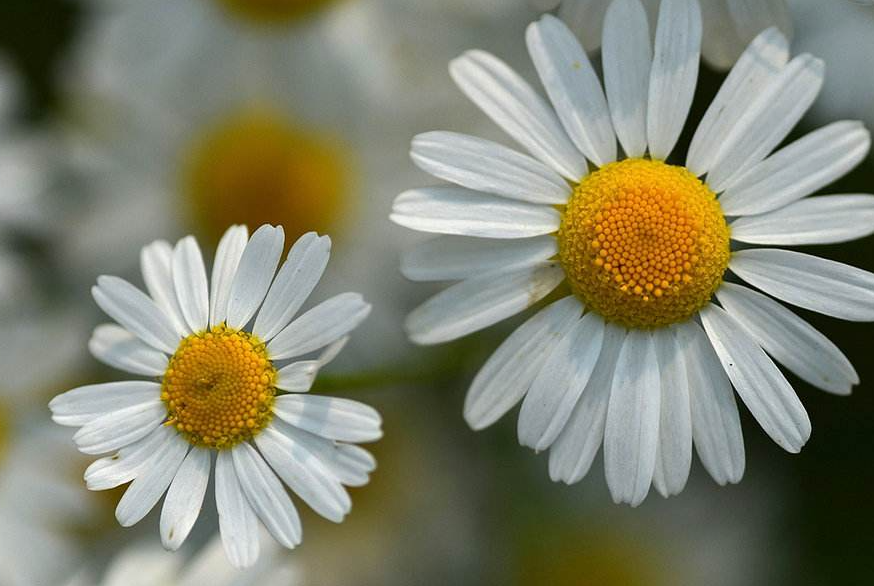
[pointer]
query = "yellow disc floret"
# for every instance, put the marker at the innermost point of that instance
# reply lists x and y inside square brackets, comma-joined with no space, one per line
[643,243]
[272,12]
[219,388]
[258,167]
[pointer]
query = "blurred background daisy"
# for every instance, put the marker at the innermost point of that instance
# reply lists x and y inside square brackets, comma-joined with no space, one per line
[125,121]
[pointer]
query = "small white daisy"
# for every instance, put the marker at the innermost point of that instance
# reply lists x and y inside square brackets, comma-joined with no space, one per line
[296,124]
[223,385]
[146,565]
[643,245]
[729,25]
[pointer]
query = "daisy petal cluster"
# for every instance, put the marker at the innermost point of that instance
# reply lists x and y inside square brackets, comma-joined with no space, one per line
[224,391]
[729,25]
[645,354]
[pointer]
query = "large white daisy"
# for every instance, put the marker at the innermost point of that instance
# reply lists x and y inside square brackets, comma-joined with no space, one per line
[729,25]
[223,387]
[641,356]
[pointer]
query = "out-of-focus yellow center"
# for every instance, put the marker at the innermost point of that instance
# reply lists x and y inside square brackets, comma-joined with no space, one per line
[609,558]
[219,388]
[643,243]
[257,167]
[272,12]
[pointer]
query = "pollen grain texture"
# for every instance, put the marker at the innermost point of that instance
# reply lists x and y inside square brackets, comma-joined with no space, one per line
[643,243]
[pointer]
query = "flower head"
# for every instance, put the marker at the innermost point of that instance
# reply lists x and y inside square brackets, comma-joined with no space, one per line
[643,355]
[223,387]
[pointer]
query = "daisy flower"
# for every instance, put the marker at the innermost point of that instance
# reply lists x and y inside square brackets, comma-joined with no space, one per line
[182,132]
[729,25]
[640,357]
[148,565]
[222,387]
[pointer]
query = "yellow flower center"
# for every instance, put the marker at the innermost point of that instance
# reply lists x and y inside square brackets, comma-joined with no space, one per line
[219,388]
[643,243]
[272,12]
[257,168]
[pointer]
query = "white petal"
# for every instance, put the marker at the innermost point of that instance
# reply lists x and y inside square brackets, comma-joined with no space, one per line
[559,384]
[299,275]
[777,108]
[448,258]
[185,498]
[151,483]
[716,426]
[334,418]
[483,165]
[631,436]
[254,274]
[761,61]
[799,169]
[761,385]
[267,496]
[237,522]
[813,220]
[133,309]
[454,210]
[305,474]
[189,280]
[814,283]
[156,264]
[83,404]
[789,339]
[298,377]
[115,346]
[627,57]
[509,372]
[116,429]
[351,465]
[674,455]
[480,302]
[227,259]
[571,455]
[128,462]
[325,323]
[511,103]
[674,74]
[573,87]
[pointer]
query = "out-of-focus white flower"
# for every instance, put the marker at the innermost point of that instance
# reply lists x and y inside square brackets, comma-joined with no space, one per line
[25,174]
[148,565]
[195,120]
[729,25]
[842,34]
[640,358]
[229,391]
[41,500]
